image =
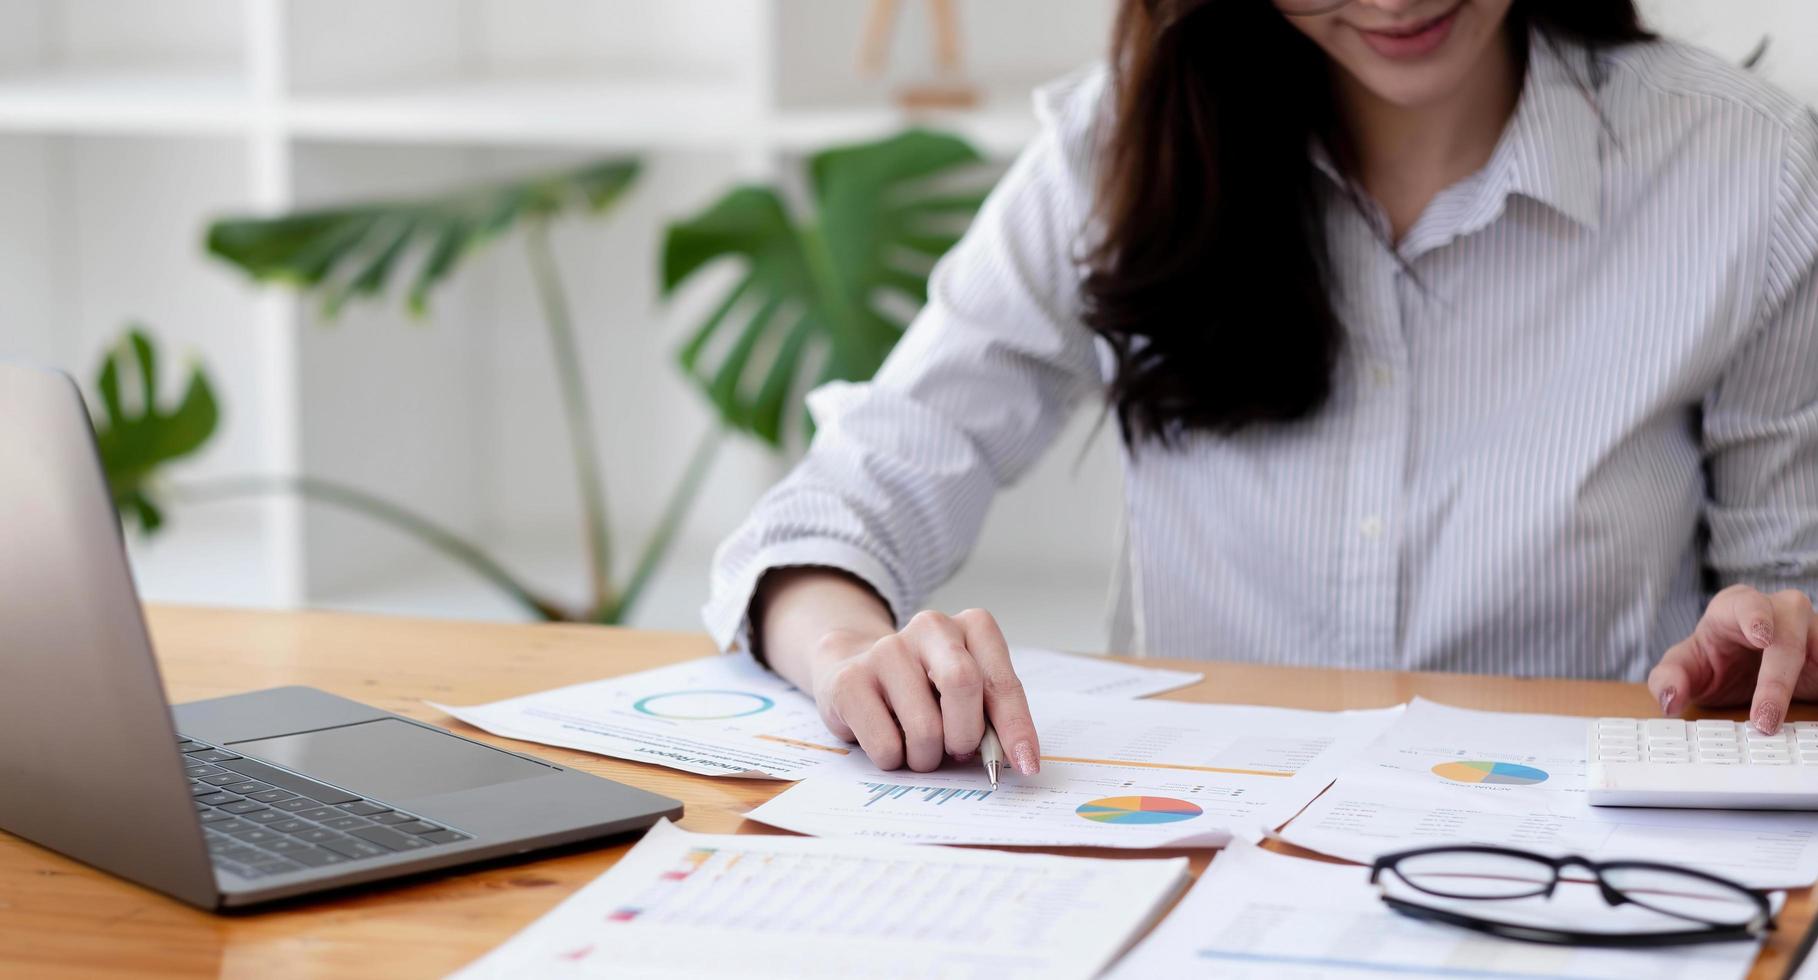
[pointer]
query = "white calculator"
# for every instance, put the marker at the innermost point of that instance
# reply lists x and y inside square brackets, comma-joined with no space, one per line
[1706,764]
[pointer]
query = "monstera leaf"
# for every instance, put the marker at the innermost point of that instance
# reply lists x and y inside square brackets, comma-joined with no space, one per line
[137,435]
[354,250]
[816,288]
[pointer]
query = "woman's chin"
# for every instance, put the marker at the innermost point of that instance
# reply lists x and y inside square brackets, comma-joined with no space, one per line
[1411,85]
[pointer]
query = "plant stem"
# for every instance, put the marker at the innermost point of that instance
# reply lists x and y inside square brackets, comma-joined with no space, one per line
[384,511]
[681,501]
[573,386]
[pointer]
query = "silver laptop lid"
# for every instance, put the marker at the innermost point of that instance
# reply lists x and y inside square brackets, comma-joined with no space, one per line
[88,756]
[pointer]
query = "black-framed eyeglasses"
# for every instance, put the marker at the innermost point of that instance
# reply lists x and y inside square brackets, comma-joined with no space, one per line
[1719,909]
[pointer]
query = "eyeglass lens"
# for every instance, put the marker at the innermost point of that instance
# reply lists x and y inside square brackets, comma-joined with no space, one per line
[1475,874]
[1681,895]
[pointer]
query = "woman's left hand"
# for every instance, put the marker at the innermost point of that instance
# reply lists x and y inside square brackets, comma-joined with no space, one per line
[1749,648]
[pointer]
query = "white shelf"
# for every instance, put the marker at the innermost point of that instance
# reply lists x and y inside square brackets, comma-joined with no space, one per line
[999,126]
[563,111]
[548,111]
[153,100]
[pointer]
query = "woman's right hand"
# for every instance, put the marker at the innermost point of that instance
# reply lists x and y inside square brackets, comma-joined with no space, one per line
[908,697]
[916,696]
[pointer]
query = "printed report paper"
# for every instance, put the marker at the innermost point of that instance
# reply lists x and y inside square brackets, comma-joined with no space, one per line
[1448,775]
[1255,915]
[727,716]
[1114,774]
[684,905]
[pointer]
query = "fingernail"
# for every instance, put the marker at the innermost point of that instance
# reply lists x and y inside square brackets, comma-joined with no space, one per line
[1767,719]
[1762,632]
[965,757]
[1026,762]
[1667,697]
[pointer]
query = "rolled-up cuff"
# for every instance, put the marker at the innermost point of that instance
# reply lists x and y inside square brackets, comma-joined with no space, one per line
[727,614]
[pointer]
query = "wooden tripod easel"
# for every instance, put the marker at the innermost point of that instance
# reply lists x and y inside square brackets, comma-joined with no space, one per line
[949,90]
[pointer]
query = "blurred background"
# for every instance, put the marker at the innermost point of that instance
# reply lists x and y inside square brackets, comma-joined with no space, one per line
[127,128]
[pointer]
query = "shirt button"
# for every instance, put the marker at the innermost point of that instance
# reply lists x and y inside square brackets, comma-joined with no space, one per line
[1371,527]
[1380,373]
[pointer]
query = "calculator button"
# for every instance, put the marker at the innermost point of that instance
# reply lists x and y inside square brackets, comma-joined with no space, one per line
[1722,760]
[1664,728]
[1616,724]
[1769,760]
[1619,757]
[1808,757]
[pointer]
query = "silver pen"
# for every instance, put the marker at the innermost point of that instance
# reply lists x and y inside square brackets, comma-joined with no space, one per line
[991,753]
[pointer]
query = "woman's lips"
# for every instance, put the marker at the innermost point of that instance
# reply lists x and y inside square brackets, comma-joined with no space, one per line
[1416,41]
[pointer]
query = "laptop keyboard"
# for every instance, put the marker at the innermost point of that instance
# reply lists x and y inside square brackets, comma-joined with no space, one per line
[260,820]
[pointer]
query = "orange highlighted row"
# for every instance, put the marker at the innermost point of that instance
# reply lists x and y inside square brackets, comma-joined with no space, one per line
[798,743]
[1164,765]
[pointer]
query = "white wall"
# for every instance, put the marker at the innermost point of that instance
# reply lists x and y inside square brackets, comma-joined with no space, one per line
[1733,27]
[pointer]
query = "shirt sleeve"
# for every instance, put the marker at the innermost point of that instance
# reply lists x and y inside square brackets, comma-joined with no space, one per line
[1761,422]
[902,469]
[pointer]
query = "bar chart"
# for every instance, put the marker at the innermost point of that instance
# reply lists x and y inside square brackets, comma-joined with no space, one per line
[936,795]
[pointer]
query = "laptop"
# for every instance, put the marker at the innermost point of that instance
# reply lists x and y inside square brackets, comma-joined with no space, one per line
[234,801]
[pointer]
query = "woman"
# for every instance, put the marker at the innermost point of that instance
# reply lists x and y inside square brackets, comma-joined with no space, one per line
[1441,334]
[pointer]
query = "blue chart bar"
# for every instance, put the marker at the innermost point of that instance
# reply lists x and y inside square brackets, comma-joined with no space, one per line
[936,795]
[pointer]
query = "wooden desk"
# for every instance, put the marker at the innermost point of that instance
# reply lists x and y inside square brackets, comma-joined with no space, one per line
[60,918]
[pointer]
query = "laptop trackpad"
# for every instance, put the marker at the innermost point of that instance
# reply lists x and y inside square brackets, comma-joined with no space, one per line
[392,760]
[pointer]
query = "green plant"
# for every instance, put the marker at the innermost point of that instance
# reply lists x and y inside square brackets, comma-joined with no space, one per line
[881,216]
[810,291]
[353,251]
[137,435]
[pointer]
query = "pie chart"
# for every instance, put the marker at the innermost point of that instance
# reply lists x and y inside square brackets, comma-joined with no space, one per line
[1485,771]
[1138,809]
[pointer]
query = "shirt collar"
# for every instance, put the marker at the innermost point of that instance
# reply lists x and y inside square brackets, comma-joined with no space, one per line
[1551,149]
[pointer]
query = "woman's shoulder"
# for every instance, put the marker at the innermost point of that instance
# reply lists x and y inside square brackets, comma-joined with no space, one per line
[1074,113]
[1669,103]
[1665,80]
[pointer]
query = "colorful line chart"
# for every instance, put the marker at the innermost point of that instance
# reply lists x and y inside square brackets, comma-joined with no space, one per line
[1487,771]
[1139,810]
[704,705]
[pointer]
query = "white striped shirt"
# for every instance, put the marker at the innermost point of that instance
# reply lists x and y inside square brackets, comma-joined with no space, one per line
[1595,400]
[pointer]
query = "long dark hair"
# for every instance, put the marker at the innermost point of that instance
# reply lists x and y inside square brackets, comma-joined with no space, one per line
[1209,278]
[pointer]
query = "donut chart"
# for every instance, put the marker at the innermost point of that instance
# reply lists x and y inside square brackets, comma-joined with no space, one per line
[1487,771]
[704,705]
[1138,810]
